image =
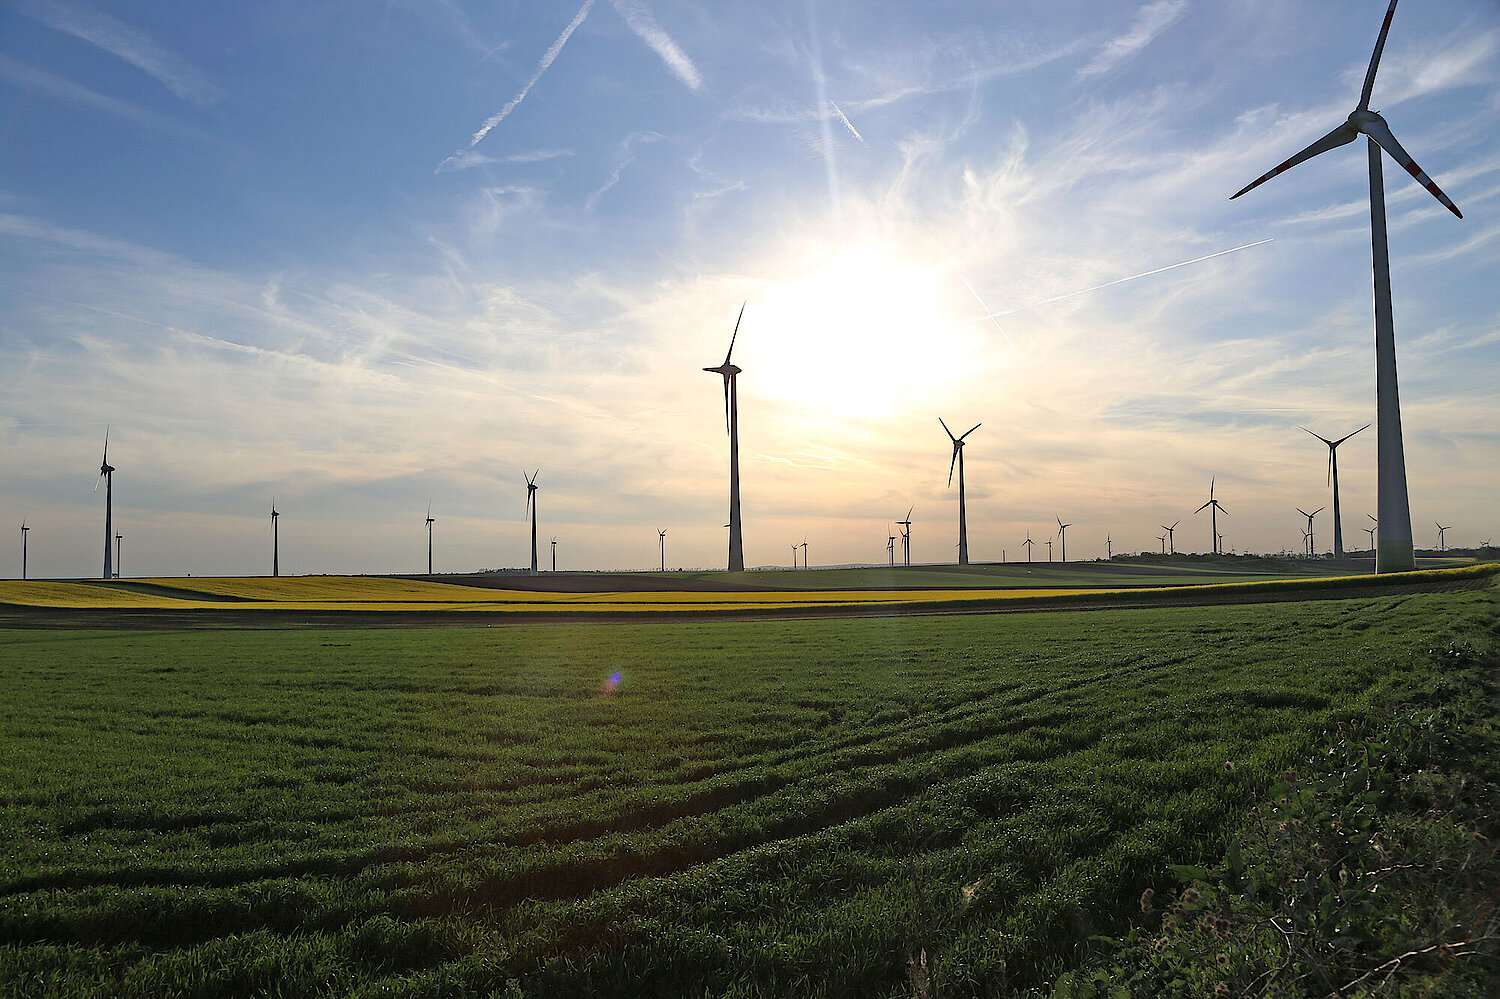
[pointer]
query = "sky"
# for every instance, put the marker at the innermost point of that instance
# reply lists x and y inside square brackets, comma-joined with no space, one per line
[362,257]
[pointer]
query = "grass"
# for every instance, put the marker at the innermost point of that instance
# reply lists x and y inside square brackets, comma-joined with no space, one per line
[820,808]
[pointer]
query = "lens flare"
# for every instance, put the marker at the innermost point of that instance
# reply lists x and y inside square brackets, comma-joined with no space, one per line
[609,686]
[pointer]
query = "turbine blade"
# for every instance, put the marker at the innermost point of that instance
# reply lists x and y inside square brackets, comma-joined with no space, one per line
[1381,133]
[1339,136]
[729,353]
[971,430]
[1329,480]
[1385,28]
[726,402]
[1320,437]
[951,462]
[946,430]
[1204,507]
[1347,436]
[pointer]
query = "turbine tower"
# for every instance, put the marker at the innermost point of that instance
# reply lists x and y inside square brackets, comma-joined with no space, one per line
[732,424]
[1442,541]
[1049,549]
[531,509]
[24,531]
[1371,531]
[1062,532]
[119,561]
[661,541]
[1109,548]
[1333,477]
[958,458]
[1171,538]
[275,540]
[906,538]
[107,473]
[1163,539]
[554,554]
[1395,553]
[1028,544]
[794,555]
[430,522]
[1311,545]
[890,548]
[804,551]
[1214,513]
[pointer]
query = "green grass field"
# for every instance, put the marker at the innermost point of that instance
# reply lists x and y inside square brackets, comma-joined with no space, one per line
[771,808]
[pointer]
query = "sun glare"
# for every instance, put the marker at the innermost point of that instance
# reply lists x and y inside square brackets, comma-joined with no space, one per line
[863,333]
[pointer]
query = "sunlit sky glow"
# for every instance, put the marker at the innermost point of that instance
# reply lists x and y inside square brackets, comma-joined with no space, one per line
[359,256]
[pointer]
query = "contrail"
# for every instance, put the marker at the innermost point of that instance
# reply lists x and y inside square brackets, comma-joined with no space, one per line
[1109,284]
[847,123]
[541,68]
[986,308]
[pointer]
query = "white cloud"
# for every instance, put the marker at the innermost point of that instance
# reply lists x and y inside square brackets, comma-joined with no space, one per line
[639,18]
[46,84]
[1150,21]
[125,43]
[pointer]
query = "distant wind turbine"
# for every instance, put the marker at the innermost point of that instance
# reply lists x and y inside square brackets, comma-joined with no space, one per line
[275,540]
[1442,541]
[958,459]
[906,539]
[890,548]
[1109,548]
[119,560]
[1062,533]
[1396,553]
[804,551]
[1028,542]
[661,540]
[1049,549]
[1375,526]
[1333,479]
[24,531]
[1171,538]
[1214,510]
[531,510]
[794,555]
[554,554]
[1163,539]
[1312,548]
[732,425]
[430,522]
[107,473]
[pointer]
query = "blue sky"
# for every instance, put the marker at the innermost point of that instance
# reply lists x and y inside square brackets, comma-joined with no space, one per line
[360,256]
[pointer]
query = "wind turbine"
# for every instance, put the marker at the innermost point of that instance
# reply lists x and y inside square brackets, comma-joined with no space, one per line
[430,522]
[1333,477]
[275,540]
[732,424]
[661,540]
[958,458]
[1028,544]
[119,543]
[1049,549]
[804,551]
[1311,545]
[906,538]
[531,509]
[107,473]
[24,531]
[1395,553]
[1163,539]
[1442,541]
[890,548]
[554,554]
[1171,539]
[1109,548]
[1371,531]
[1062,532]
[1214,513]
[794,555]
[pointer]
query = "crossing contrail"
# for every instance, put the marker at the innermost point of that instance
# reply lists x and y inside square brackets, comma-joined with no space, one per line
[986,308]
[847,123]
[988,316]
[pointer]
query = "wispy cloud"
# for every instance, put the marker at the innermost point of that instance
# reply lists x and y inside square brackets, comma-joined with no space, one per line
[624,156]
[639,18]
[39,81]
[1150,21]
[125,43]
[548,58]
[847,123]
[468,159]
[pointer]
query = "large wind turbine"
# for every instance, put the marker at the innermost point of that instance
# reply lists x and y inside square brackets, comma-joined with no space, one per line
[803,546]
[1333,477]
[430,522]
[531,510]
[107,473]
[1442,541]
[732,424]
[1171,538]
[958,458]
[24,531]
[1062,533]
[1311,545]
[906,538]
[661,541]
[1395,552]
[1217,509]
[275,540]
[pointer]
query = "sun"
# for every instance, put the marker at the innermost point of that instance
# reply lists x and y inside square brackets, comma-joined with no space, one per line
[865,332]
